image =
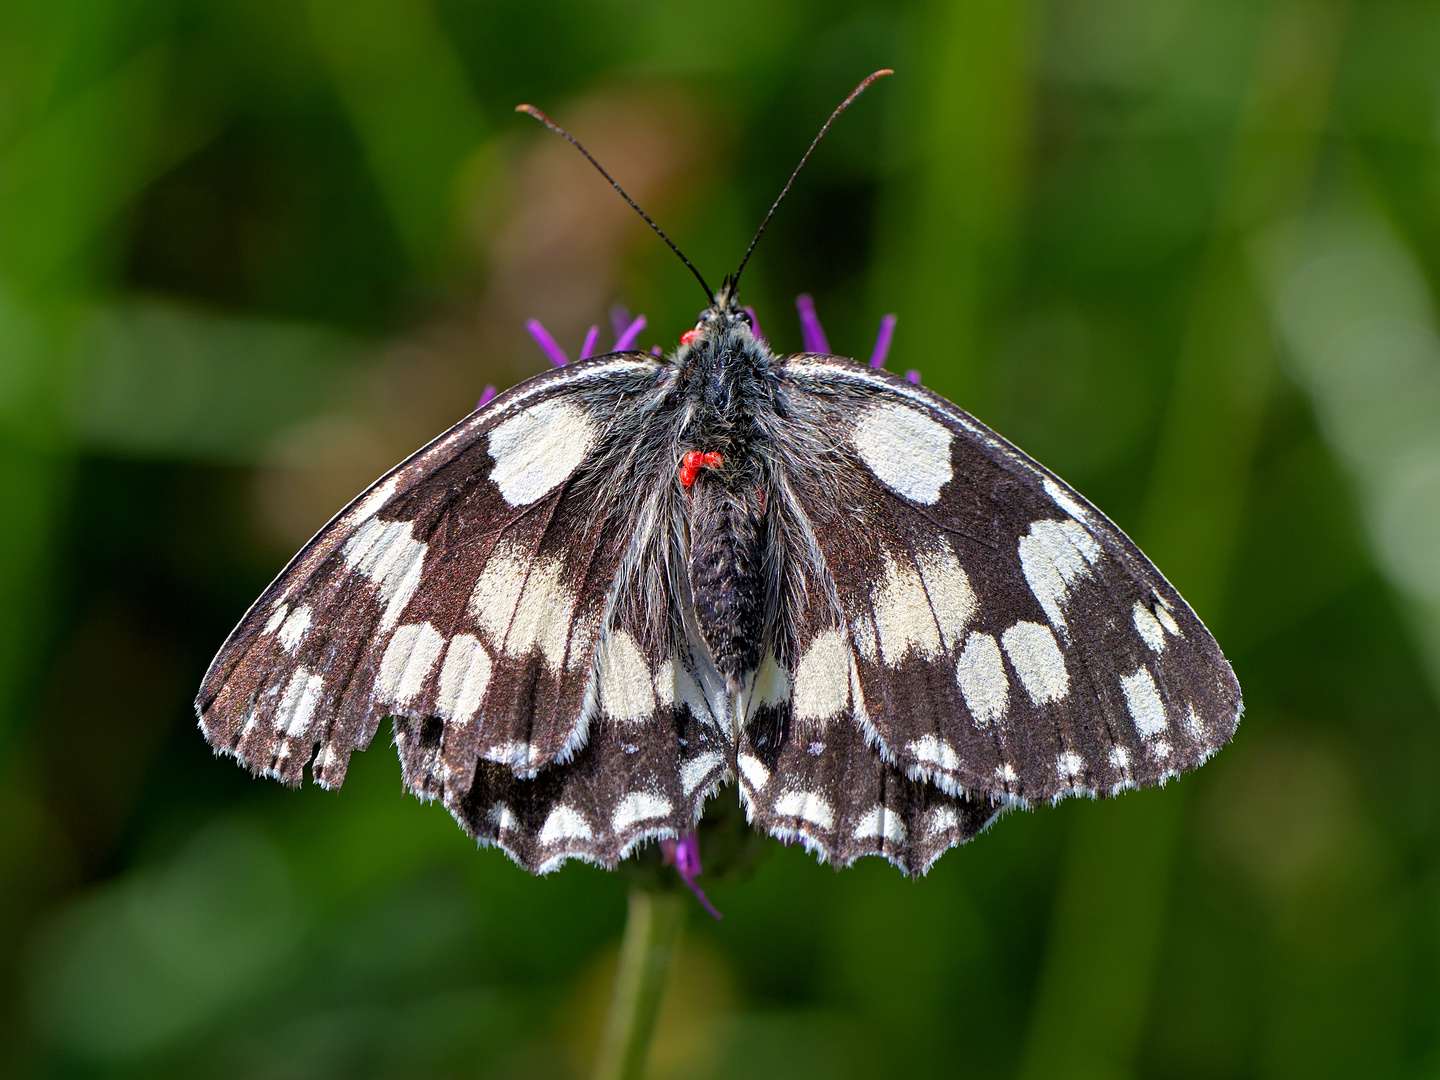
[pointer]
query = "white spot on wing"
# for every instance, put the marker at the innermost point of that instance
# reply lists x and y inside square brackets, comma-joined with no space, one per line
[1036,658]
[372,503]
[1167,620]
[408,658]
[503,818]
[564,823]
[1005,773]
[295,627]
[694,771]
[387,553]
[1054,555]
[1065,501]
[639,806]
[582,637]
[665,683]
[516,754]
[822,677]
[940,820]
[906,450]
[1070,765]
[523,604]
[277,618]
[297,703]
[1193,723]
[754,770]
[627,693]
[862,633]
[537,449]
[463,679]
[771,686]
[1148,627]
[1120,759]
[980,671]
[902,614]
[951,597]
[807,806]
[674,684]
[932,750]
[880,822]
[1143,700]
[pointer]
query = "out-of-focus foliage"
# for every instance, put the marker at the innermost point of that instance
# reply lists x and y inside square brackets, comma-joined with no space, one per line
[252,252]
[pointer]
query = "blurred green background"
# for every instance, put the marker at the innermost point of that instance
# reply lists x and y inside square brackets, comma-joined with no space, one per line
[1187,253]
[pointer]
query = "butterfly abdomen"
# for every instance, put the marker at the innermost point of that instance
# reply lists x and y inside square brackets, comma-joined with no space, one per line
[727,546]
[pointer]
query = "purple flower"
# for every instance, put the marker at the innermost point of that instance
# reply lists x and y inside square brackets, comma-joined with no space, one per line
[882,343]
[545,341]
[592,337]
[626,331]
[813,334]
[684,855]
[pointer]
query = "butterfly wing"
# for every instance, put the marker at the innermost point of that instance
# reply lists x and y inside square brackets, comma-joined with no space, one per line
[463,594]
[645,771]
[1002,637]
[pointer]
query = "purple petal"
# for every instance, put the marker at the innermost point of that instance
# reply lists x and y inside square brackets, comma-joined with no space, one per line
[810,329]
[882,342]
[626,337]
[486,396]
[755,323]
[592,337]
[684,855]
[913,376]
[655,349]
[619,320]
[545,341]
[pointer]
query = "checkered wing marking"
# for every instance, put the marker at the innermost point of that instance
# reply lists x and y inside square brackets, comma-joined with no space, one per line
[1008,638]
[806,764]
[462,594]
[633,781]
[827,788]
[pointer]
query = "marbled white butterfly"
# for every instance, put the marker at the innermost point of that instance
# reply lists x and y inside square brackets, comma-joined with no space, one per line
[627,583]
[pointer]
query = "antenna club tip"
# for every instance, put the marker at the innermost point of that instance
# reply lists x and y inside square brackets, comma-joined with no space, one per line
[525,108]
[883,71]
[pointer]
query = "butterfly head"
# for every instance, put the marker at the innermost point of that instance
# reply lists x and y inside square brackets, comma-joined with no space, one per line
[723,327]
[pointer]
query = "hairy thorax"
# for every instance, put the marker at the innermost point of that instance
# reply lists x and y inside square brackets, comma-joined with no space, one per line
[724,378]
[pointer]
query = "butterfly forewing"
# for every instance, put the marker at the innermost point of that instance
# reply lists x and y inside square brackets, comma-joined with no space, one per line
[453,593]
[1008,638]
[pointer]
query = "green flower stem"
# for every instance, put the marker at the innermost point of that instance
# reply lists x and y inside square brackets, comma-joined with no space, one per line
[652,931]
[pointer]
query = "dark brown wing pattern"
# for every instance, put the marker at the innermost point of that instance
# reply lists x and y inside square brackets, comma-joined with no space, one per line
[1004,638]
[465,589]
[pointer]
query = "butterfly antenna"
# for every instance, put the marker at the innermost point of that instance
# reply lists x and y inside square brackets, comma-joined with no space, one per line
[734,279]
[553,126]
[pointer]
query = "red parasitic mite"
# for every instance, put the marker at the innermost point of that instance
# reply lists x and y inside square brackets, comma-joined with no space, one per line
[694,461]
[688,336]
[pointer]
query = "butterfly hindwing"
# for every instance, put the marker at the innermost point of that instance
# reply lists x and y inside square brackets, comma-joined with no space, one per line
[1007,637]
[452,593]
[828,789]
[653,755]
